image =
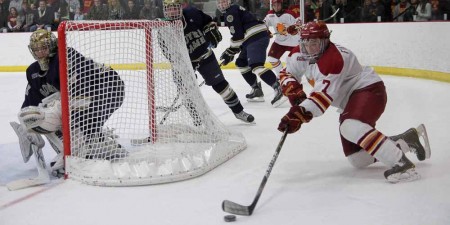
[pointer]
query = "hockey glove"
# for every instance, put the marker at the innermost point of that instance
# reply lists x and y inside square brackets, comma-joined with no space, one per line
[292,29]
[212,34]
[294,119]
[228,55]
[294,91]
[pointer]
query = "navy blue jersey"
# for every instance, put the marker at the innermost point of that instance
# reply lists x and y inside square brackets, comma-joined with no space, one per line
[41,83]
[102,85]
[244,27]
[195,20]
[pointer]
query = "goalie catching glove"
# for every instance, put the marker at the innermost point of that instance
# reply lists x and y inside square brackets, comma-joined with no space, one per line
[212,34]
[228,55]
[294,119]
[42,119]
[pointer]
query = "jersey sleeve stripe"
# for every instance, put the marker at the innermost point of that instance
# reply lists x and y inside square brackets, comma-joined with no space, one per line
[322,100]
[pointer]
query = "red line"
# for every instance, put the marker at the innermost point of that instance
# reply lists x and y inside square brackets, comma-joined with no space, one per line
[26,197]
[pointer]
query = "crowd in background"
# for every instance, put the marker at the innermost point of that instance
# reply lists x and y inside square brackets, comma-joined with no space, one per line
[30,15]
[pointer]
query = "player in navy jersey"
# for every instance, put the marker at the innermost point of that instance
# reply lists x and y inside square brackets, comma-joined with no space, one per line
[201,33]
[251,38]
[41,109]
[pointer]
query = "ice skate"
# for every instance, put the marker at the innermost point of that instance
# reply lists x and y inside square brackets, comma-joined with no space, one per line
[57,165]
[248,118]
[256,95]
[278,97]
[104,147]
[403,170]
[410,140]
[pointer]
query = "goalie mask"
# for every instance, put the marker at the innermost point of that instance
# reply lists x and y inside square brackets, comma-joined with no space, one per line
[223,5]
[314,39]
[43,45]
[172,9]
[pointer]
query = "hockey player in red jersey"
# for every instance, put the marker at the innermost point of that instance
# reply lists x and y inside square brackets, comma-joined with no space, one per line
[360,96]
[280,19]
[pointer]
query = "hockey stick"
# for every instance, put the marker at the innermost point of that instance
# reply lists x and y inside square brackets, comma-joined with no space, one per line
[237,209]
[332,16]
[42,178]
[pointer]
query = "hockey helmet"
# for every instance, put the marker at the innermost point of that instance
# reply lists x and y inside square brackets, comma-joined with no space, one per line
[223,5]
[172,9]
[43,45]
[314,39]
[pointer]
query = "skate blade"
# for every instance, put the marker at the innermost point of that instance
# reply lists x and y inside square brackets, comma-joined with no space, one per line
[423,138]
[257,99]
[279,102]
[407,176]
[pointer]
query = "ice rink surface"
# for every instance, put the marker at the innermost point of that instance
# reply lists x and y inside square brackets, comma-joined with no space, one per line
[311,183]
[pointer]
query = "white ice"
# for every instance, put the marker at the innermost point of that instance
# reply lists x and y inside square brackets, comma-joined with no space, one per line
[311,183]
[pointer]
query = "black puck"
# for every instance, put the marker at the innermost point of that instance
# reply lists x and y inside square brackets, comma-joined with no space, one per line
[229,218]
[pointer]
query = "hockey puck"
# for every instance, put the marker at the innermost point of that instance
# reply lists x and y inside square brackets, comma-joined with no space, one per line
[229,218]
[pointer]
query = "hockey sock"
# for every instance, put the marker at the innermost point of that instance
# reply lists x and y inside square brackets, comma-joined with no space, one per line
[374,142]
[229,96]
[249,77]
[265,74]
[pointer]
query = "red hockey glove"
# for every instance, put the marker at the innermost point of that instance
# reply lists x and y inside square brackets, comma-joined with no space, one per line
[292,29]
[294,91]
[294,119]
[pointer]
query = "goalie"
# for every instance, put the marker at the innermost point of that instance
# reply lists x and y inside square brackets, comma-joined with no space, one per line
[40,113]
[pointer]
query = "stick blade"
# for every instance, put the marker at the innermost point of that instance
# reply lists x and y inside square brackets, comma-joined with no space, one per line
[236,209]
[26,183]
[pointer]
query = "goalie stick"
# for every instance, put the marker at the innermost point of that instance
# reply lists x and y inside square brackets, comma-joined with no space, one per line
[237,209]
[43,175]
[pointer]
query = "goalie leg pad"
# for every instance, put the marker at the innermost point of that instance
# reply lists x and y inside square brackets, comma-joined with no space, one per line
[26,140]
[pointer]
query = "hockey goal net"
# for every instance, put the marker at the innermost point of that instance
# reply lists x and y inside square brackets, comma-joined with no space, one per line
[133,113]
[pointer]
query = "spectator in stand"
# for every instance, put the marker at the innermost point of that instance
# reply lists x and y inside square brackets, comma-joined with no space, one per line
[262,8]
[349,10]
[78,14]
[29,17]
[400,11]
[309,11]
[98,11]
[149,11]
[87,4]
[73,5]
[116,10]
[14,24]
[435,10]
[63,12]
[131,11]
[45,17]
[372,11]
[16,4]
[326,9]
[4,11]
[423,11]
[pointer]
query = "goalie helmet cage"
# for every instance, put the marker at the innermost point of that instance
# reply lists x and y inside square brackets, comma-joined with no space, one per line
[161,120]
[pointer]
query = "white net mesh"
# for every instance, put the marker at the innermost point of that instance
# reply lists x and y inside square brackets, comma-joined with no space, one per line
[135,112]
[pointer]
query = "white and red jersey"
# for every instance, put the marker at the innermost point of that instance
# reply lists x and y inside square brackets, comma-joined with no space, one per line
[287,19]
[335,75]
